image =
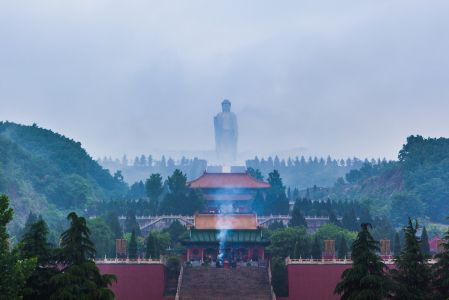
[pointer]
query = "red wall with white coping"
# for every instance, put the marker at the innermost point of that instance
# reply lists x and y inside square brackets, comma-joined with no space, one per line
[137,281]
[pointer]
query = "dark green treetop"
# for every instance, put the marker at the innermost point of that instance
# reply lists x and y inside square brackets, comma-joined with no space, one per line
[441,270]
[367,278]
[412,273]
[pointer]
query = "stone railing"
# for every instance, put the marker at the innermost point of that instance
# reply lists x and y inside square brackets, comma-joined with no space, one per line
[178,288]
[335,261]
[129,261]
[273,295]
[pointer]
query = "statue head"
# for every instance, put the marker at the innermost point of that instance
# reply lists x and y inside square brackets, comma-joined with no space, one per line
[226,105]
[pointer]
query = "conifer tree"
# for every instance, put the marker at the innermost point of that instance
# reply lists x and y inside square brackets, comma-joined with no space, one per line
[441,270]
[397,245]
[367,278]
[132,249]
[316,249]
[154,188]
[297,216]
[412,274]
[152,249]
[79,277]
[131,222]
[13,271]
[34,244]
[349,220]
[333,219]
[112,221]
[425,247]
[342,251]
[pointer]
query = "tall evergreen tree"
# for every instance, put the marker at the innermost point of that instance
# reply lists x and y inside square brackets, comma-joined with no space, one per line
[425,247]
[154,188]
[342,251]
[367,278]
[132,249]
[131,222]
[333,218]
[441,270]
[14,271]
[79,277]
[396,245]
[34,244]
[316,249]
[412,273]
[276,201]
[111,219]
[349,220]
[297,216]
[152,247]
[31,219]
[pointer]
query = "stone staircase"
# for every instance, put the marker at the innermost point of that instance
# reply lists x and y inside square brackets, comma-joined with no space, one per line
[208,283]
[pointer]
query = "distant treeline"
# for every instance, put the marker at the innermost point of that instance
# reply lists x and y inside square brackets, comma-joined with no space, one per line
[313,171]
[139,168]
[299,172]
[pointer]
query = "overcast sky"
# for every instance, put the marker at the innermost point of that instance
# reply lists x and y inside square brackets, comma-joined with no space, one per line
[331,77]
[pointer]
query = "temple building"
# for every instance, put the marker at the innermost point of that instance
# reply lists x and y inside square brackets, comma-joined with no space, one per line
[235,237]
[227,230]
[229,192]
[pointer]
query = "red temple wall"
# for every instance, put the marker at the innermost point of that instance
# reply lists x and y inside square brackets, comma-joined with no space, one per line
[313,282]
[137,281]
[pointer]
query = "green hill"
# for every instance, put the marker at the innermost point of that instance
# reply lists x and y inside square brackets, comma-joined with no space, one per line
[47,173]
[417,185]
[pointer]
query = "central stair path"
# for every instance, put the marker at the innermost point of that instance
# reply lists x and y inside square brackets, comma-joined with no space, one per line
[208,283]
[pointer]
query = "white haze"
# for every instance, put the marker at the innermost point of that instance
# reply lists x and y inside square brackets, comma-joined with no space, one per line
[320,77]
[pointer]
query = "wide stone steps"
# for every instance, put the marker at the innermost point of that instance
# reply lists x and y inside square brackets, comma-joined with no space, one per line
[208,283]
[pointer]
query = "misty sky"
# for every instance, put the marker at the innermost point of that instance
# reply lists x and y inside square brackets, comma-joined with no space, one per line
[333,77]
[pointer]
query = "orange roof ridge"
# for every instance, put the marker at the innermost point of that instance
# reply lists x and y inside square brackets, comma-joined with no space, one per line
[227,180]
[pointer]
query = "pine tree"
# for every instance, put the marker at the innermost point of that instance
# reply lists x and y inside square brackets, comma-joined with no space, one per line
[396,245]
[441,270]
[297,216]
[31,219]
[425,247]
[333,219]
[316,249]
[34,244]
[367,278]
[132,249]
[14,271]
[131,222]
[152,246]
[342,251]
[154,188]
[112,221]
[412,273]
[79,277]
[349,220]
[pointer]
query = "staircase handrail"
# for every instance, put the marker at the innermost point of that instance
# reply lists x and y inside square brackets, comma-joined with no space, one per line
[273,295]
[178,288]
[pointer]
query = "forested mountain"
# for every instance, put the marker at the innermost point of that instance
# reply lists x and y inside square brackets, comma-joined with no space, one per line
[417,185]
[45,172]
